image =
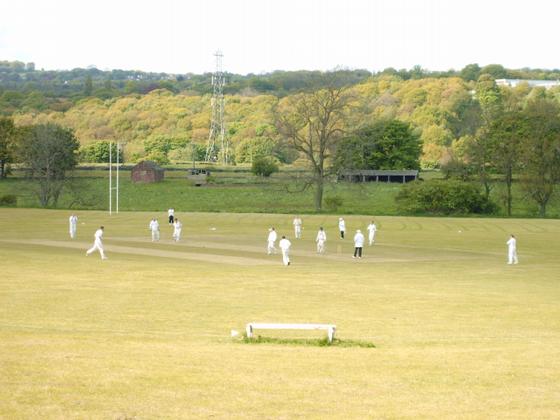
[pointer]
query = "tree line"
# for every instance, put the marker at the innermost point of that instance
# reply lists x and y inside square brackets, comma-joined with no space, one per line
[474,131]
[24,87]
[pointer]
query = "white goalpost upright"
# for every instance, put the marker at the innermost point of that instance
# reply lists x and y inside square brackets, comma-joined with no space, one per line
[116,187]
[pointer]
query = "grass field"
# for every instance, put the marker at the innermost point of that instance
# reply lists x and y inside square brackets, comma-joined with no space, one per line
[146,334]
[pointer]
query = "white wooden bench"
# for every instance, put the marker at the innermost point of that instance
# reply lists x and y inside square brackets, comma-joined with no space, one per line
[330,328]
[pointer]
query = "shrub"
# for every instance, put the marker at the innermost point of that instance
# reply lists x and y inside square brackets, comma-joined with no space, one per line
[443,197]
[333,203]
[264,166]
[8,200]
[98,152]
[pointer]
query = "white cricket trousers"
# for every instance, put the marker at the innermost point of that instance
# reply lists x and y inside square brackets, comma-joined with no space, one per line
[320,247]
[512,256]
[270,248]
[97,246]
[371,238]
[297,230]
[285,256]
[73,232]
[176,235]
[155,235]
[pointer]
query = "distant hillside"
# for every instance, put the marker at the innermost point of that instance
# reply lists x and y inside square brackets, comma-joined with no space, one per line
[148,109]
[25,88]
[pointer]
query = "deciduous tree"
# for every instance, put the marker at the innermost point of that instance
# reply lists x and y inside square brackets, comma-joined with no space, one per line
[7,135]
[384,145]
[48,151]
[312,123]
[541,152]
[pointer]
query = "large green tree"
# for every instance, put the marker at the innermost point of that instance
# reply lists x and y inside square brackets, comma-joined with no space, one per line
[7,136]
[504,136]
[541,151]
[388,144]
[47,151]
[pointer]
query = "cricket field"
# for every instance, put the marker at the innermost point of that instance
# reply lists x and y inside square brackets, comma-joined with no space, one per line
[431,323]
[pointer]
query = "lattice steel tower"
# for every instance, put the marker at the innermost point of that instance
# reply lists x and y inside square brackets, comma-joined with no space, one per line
[217,134]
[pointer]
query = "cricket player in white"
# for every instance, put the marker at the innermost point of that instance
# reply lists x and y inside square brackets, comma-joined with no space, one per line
[154,227]
[371,232]
[97,243]
[171,215]
[358,244]
[271,240]
[321,239]
[285,245]
[73,220]
[512,250]
[341,227]
[177,227]
[297,227]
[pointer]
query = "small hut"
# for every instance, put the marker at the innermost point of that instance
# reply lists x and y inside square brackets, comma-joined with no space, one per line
[198,176]
[147,171]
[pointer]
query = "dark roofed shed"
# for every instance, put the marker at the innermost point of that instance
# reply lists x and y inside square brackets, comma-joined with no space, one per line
[147,171]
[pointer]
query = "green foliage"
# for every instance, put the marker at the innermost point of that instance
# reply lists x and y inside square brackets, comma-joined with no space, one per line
[187,153]
[47,151]
[264,166]
[503,136]
[383,145]
[8,200]
[7,137]
[158,148]
[442,197]
[470,72]
[541,151]
[158,157]
[98,152]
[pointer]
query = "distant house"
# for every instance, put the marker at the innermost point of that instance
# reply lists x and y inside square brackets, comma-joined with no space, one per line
[371,175]
[147,171]
[547,84]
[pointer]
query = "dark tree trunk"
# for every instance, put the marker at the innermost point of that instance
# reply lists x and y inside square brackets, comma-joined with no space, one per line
[319,186]
[509,181]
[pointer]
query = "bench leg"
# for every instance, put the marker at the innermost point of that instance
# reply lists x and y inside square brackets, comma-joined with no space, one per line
[330,334]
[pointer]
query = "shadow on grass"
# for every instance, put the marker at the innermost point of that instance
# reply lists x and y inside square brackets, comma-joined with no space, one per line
[316,342]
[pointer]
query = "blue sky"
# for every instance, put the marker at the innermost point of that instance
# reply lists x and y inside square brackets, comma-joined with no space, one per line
[264,35]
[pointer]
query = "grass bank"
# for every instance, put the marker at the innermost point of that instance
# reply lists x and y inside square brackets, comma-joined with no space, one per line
[240,192]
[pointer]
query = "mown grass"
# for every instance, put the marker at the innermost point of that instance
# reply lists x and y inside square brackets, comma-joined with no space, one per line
[458,332]
[317,342]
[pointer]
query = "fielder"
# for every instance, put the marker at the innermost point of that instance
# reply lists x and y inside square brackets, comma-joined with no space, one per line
[297,227]
[97,243]
[371,232]
[154,227]
[171,215]
[177,227]
[341,227]
[358,244]
[73,220]
[271,240]
[285,245]
[512,250]
[321,239]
